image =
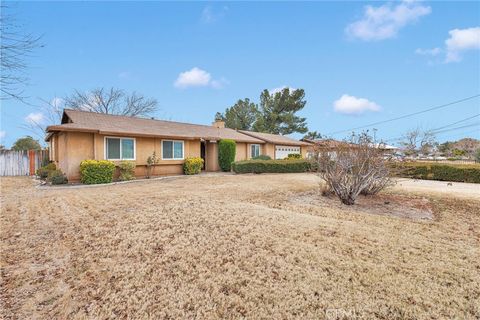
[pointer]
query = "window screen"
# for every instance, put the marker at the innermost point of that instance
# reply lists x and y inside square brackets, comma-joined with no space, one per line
[113,148]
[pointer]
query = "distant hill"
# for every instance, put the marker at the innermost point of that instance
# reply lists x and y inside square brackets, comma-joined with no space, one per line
[463,147]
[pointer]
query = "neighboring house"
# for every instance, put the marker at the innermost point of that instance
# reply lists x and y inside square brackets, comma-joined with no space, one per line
[87,135]
[325,145]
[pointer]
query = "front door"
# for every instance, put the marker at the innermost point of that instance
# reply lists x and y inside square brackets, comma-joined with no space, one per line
[202,153]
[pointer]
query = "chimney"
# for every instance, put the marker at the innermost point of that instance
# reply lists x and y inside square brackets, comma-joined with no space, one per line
[218,124]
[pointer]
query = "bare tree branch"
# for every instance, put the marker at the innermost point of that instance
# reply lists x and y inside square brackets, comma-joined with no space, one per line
[112,101]
[15,47]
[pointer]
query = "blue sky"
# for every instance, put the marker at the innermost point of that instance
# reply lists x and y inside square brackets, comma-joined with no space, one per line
[358,62]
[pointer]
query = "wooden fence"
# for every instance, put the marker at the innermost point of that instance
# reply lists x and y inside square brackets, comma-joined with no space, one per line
[21,163]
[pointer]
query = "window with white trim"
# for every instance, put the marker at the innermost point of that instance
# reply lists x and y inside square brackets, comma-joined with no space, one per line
[120,148]
[254,150]
[172,149]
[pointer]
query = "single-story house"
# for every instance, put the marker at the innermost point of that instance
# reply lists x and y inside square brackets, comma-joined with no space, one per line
[87,135]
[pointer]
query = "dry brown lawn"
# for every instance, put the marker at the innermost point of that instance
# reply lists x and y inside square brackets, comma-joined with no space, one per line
[253,246]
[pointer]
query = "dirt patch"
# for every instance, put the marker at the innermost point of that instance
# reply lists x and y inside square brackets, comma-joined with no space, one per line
[402,206]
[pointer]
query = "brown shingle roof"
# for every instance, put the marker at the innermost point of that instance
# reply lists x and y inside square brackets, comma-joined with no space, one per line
[275,138]
[123,125]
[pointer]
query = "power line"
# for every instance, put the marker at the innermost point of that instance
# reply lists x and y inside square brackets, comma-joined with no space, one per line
[461,127]
[459,121]
[436,131]
[407,115]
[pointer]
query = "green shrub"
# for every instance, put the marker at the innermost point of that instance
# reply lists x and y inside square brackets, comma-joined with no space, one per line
[441,172]
[262,157]
[271,166]
[127,170]
[226,154]
[292,156]
[45,170]
[192,166]
[96,171]
[57,177]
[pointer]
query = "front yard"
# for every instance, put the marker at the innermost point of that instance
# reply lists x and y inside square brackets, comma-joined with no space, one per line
[232,246]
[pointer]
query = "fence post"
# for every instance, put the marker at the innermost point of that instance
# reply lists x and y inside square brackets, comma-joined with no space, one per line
[31,158]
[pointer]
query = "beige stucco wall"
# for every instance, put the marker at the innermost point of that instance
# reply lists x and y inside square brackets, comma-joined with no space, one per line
[70,148]
[241,152]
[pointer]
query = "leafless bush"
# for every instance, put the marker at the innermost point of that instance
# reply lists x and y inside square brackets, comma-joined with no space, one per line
[353,167]
[325,189]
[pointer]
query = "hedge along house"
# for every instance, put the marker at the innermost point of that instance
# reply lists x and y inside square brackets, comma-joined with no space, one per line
[87,135]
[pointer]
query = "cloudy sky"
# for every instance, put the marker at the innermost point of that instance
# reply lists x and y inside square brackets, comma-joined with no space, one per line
[359,63]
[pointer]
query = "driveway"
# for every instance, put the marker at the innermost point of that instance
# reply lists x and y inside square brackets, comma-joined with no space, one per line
[451,189]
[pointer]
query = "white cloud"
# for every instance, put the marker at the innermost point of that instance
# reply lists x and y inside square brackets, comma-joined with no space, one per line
[428,52]
[197,77]
[210,15]
[57,102]
[35,118]
[352,105]
[461,40]
[384,22]
[2,134]
[280,89]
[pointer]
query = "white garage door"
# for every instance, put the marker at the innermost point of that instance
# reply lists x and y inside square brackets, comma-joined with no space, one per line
[281,152]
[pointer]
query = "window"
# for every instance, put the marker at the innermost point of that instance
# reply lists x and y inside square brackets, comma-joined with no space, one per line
[120,148]
[172,150]
[255,150]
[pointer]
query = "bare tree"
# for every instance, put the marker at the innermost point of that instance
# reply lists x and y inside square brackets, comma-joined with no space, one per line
[354,167]
[51,113]
[15,47]
[112,101]
[418,141]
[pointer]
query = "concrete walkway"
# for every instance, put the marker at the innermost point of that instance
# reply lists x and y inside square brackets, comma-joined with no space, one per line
[454,189]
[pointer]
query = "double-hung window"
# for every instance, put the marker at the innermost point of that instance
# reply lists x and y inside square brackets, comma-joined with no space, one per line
[172,150]
[120,148]
[254,150]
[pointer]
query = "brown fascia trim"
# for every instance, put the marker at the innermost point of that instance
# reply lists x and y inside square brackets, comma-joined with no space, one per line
[53,129]
[298,143]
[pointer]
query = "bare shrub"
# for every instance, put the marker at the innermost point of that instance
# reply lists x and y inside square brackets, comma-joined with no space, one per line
[353,167]
[325,189]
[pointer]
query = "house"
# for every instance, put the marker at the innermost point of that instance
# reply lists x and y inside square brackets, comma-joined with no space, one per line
[87,135]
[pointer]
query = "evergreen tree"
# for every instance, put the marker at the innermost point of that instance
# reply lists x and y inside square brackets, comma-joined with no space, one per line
[278,110]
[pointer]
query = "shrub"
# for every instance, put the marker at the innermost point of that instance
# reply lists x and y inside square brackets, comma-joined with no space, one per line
[127,170]
[57,177]
[271,166]
[292,156]
[441,172]
[192,166]
[226,154]
[354,168]
[326,190]
[45,170]
[262,157]
[96,171]
[151,162]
